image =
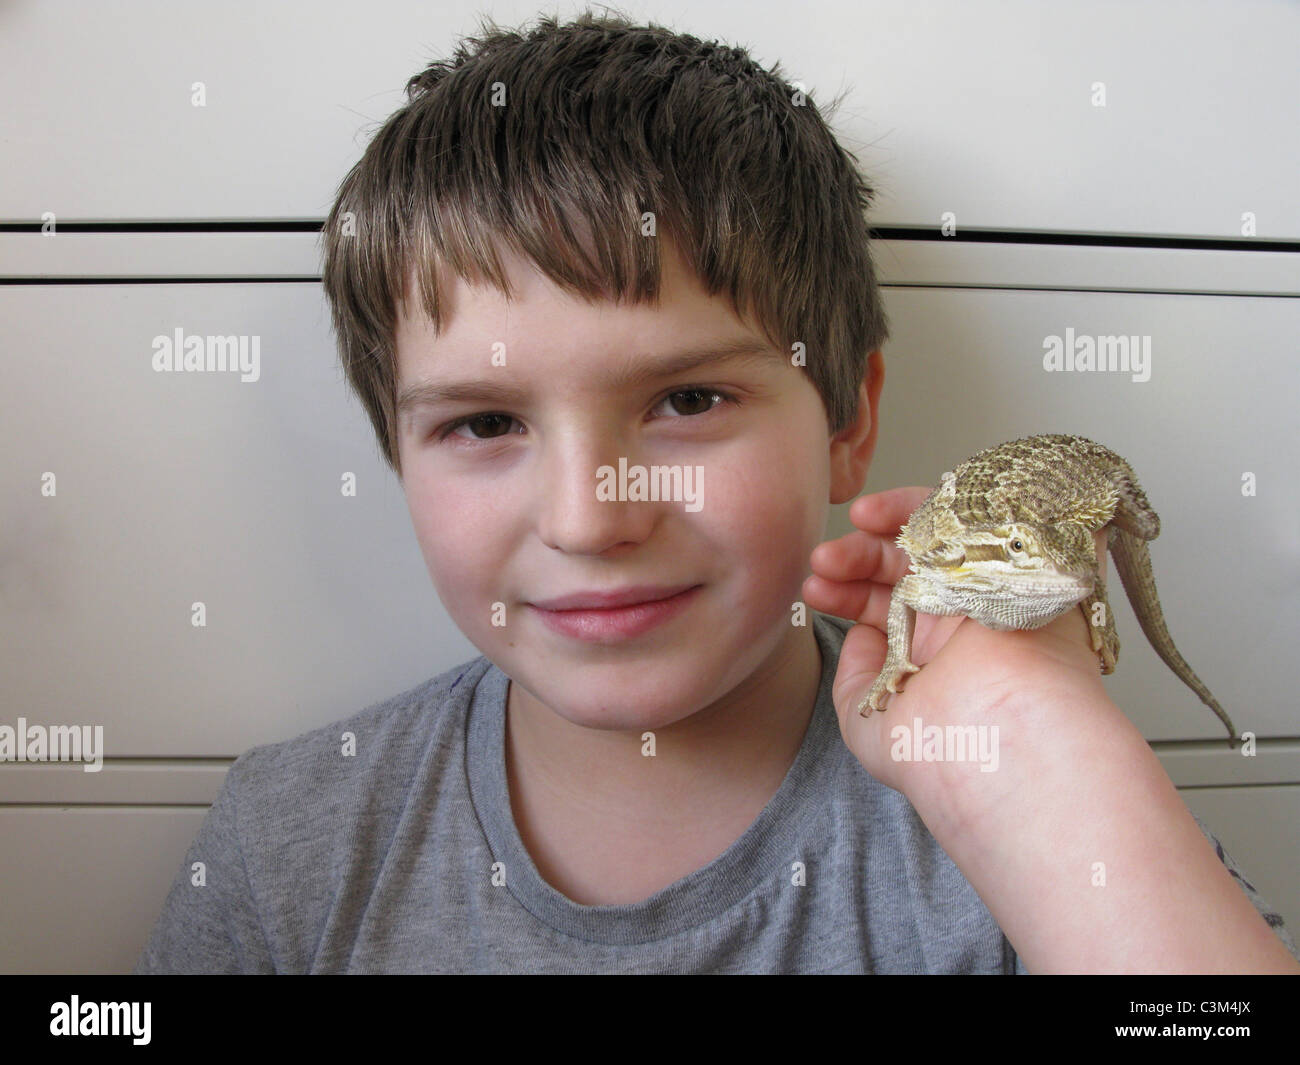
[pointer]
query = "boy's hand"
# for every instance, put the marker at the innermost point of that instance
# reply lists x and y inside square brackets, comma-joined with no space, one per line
[1078,843]
[1024,682]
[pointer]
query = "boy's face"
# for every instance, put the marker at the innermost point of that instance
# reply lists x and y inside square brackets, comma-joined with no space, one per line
[506,512]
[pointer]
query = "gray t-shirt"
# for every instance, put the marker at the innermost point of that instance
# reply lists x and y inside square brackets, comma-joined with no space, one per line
[404,857]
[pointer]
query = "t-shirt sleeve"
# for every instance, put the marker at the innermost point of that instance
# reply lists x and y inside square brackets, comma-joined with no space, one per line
[1266,910]
[209,922]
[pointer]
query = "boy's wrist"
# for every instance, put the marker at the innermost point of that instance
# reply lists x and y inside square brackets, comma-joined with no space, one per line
[1085,854]
[1042,743]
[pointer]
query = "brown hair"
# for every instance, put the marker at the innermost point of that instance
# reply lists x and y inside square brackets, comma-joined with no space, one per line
[604,120]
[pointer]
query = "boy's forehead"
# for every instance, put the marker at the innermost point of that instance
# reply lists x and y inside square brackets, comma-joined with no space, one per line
[472,308]
[457,294]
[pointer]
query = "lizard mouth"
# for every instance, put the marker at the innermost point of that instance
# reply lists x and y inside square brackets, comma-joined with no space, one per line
[1009,576]
[1060,584]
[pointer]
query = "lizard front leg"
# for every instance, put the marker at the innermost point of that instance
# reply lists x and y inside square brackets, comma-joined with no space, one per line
[1101,624]
[900,628]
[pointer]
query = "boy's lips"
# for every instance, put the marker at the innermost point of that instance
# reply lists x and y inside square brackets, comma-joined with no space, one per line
[636,610]
[596,600]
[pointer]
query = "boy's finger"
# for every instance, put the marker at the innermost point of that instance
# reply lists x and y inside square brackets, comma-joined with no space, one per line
[886,512]
[859,556]
[854,556]
[866,602]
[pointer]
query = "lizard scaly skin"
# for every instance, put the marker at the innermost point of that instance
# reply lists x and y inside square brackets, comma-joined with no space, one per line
[1006,539]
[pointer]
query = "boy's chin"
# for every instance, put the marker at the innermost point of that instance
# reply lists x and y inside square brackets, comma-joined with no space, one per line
[634,703]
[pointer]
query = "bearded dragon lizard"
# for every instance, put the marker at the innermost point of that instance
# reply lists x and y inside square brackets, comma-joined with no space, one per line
[1007,539]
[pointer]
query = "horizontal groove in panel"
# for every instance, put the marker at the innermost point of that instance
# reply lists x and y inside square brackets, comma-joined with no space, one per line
[194,255]
[267,256]
[1081,268]
[1200,765]
[123,782]
[186,225]
[165,782]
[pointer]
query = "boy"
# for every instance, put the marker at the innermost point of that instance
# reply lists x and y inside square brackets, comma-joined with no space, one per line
[595,252]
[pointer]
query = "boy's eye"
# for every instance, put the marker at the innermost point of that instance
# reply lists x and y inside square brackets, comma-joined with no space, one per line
[492,425]
[698,400]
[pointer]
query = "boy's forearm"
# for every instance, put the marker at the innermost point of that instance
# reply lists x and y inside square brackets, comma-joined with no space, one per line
[1088,859]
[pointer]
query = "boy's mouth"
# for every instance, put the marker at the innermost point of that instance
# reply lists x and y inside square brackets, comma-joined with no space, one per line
[607,617]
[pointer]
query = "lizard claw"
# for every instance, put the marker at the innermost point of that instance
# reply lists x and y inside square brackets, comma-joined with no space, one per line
[873,700]
[898,673]
[886,681]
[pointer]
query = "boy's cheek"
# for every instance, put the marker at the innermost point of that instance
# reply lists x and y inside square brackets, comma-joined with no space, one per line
[774,541]
[459,564]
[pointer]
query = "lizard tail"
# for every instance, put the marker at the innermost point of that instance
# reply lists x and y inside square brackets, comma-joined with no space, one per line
[1133,563]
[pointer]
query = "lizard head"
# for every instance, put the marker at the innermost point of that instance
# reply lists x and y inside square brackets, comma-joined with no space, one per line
[1012,575]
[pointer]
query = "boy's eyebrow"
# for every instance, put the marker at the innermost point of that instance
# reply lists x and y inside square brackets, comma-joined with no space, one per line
[746,349]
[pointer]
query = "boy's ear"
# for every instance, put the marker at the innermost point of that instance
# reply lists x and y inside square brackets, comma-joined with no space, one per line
[853,446]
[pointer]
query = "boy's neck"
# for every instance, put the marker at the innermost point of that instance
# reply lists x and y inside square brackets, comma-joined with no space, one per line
[605,825]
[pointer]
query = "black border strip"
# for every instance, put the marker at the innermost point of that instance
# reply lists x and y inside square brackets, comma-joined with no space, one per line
[172,279]
[962,236]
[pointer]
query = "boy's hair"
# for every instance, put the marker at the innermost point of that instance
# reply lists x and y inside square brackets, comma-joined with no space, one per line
[602,121]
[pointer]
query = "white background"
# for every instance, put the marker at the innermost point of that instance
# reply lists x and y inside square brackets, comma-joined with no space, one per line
[181,488]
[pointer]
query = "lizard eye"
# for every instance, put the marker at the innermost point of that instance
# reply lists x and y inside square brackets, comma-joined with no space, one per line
[1016,545]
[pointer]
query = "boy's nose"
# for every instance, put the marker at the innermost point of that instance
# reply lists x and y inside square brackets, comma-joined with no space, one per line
[572,519]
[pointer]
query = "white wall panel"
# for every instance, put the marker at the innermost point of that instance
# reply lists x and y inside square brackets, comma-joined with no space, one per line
[982,109]
[177,488]
[83,886]
[964,371]
[1260,829]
